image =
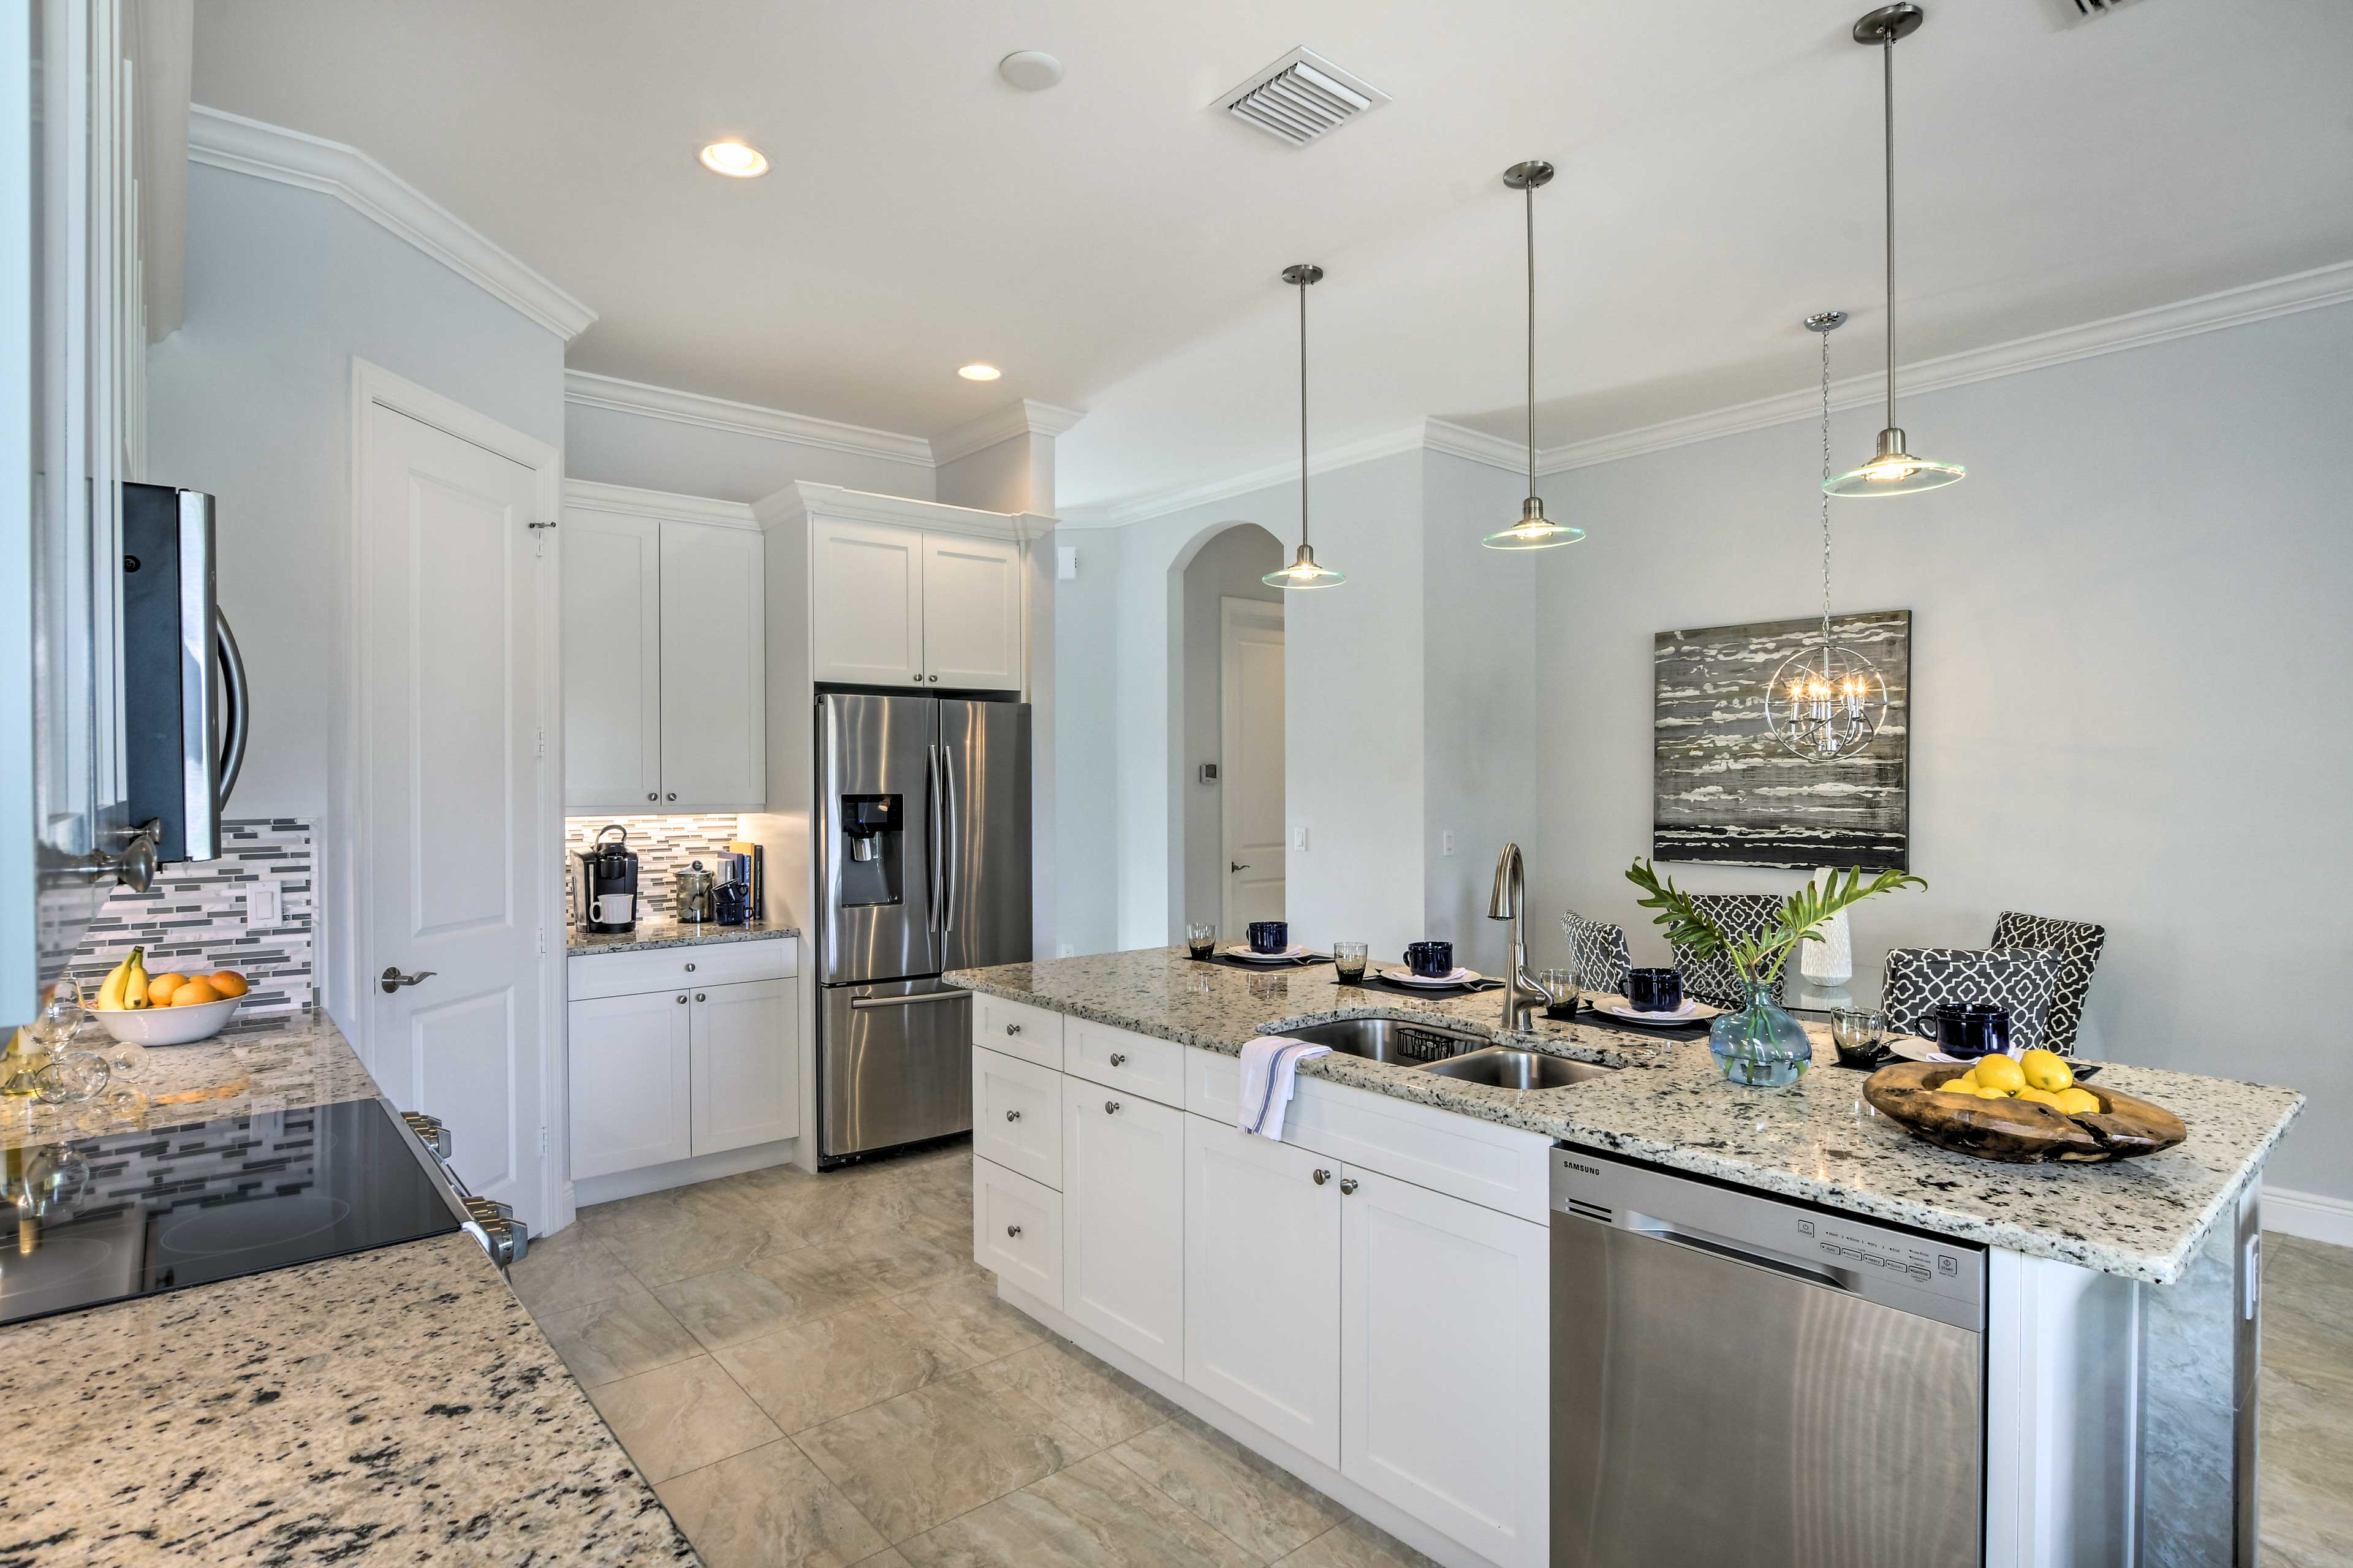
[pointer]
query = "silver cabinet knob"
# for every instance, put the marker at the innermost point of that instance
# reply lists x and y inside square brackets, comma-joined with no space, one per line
[698,997]
[673,796]
[919,679]
[1347,1185]
[681,998]
[933,679]
[1119,1059]
[653,795]
[393,978]
[690,969]
[1322,1177]
[1110,1107]
[1012,1116]
[1012,1029]
[1013,1230]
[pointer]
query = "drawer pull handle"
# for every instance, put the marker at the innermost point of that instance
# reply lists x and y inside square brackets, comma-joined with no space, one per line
[1347,1185]
[1013,1230]
[1012,1029]
[1110,1107]
[1119,1059]
[1012,1116]
[1322,1177]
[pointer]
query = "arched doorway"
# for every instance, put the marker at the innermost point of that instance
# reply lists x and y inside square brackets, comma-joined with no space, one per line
[1228,816]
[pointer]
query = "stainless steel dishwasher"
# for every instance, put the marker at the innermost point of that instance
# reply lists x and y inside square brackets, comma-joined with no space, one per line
[1740,1380]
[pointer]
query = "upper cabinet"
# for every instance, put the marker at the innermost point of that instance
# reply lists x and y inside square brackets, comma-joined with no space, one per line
[907,594]
[664,654]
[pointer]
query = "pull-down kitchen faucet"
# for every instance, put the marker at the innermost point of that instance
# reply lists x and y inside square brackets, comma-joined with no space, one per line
[1522,992]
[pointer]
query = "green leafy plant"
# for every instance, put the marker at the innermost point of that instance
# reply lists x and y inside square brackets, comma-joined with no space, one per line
[1760,959]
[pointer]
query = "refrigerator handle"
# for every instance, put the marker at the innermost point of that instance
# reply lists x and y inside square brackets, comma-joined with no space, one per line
[947,861]
[932,804]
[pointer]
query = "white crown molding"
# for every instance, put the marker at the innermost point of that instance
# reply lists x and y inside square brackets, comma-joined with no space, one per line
[1462,441]
[223,141]
[2208,312]
[586,495]
[610,391]
[806,497]
[1027,417]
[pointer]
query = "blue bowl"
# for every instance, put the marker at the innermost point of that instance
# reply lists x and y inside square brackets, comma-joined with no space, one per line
[1270,936]
[1967,1030]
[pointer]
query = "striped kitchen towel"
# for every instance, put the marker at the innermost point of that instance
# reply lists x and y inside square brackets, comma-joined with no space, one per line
[1270,1066]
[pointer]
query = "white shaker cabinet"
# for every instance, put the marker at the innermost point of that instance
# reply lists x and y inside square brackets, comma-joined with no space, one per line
[612,659]
[746,1074]
[630,1082]
[913,594]
[867,601]
[1261,1275]
[714,694]
[1122,1220]
[972,613]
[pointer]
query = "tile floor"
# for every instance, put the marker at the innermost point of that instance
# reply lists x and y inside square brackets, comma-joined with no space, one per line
[814,1374]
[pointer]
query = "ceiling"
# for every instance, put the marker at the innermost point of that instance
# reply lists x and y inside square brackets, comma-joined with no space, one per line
[1113,243]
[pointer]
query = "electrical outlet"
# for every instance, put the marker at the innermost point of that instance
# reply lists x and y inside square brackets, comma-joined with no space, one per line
[1446,842]
[1067,950]
[265,905]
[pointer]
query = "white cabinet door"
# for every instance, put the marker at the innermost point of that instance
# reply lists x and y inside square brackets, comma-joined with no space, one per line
[1016,1231]
[746,1074]
[629,1076]
[612,662]
[972,613]
[867,602]
[1123,1220]
[1261,1275]
[714,732]
[1444,1375]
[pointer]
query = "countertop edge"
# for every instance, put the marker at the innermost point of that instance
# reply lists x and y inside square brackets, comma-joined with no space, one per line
[598,943]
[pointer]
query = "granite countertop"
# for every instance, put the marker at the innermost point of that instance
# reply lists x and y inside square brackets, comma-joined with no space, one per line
[398,1406]
[2142,1218]
[657,931]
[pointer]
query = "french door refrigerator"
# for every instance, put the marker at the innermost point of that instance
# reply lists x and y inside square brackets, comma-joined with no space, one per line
[923,865]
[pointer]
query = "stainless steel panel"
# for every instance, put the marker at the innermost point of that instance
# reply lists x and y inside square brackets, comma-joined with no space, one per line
[895,1065]
[873,746]
[985,767]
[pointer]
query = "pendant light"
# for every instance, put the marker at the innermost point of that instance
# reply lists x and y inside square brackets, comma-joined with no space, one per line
[1304,571]
[1533,531]
[1892,471]
[1825,702]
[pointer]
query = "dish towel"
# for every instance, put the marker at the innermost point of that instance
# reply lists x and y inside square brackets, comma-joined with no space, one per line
[1269,1070]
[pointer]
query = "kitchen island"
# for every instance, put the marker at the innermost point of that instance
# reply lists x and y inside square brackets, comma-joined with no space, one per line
[394,1405]
[2111,1321]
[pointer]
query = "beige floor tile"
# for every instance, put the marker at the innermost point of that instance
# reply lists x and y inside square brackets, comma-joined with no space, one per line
[1101,1403]
[1094,1514]
[1355,1543]
[733,1305]
[1252,1502]
[912,1255]
[708,1237]
[602,1341]
[681,1418]
[569,1268]
[888,1557]
[812,1372]
[965,1312]
[767,1507]
[922,1459]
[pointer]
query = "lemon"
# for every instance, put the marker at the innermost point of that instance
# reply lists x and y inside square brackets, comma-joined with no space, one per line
[2047,1070]
[2041,1096]
[2077,1101]
[1965,1091]
[2001,1073]
[1985,1092]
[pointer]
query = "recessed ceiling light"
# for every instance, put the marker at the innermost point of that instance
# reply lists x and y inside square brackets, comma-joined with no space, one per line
[737,159]
[979,371]
[1031,70]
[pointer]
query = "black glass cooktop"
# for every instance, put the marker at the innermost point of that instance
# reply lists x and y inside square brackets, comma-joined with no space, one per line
[136,1214]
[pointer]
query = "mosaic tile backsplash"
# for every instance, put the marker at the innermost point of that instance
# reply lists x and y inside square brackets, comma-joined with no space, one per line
[664,845]
[194,918]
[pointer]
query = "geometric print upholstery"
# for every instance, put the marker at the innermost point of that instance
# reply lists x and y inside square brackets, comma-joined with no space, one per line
[1597,952]
[2078,946]
[1739,916]
[2022,981]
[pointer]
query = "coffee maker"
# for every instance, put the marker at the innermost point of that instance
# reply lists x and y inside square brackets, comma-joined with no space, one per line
[607,899]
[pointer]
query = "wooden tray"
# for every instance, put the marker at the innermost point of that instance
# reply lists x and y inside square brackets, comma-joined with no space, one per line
[2021,1132]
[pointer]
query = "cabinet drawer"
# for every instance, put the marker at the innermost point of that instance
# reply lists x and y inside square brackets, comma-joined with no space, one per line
[1123,1059]
[668,968]
[1018,1029]
[1017,1116]
[1016,1231]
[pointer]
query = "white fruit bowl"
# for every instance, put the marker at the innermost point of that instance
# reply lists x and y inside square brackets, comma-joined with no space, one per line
[168,1026]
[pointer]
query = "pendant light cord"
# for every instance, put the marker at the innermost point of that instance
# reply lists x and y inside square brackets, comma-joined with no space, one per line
[1302,411]
[1826,500]
[1887,82]
[1530,191]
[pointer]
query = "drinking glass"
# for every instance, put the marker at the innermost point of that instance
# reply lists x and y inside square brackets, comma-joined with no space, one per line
[1562,985]
[1201,936]
[1859,1033]
[1348,959]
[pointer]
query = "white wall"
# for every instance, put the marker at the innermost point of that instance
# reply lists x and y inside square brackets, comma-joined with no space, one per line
[2129,660]
[614,447]
[1085,756]
[1229,566]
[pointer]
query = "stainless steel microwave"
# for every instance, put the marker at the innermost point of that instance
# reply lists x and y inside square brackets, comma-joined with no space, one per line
[184,710]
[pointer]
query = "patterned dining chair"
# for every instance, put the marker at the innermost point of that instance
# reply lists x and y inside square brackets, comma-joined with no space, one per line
[1740,916]
[2021,981]
[1597,952]
[2078,946]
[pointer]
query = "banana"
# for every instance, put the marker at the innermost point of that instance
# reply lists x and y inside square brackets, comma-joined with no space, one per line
[134,983]
[109,991]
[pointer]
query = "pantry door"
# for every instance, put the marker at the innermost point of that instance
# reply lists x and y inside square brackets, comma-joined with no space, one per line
[456,813]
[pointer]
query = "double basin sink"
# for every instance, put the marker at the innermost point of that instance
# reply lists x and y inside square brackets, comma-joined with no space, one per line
[1448,1053]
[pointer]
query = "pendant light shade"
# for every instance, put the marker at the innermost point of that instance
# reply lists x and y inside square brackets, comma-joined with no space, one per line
[1533,531]
[1304,571]
[1893,470]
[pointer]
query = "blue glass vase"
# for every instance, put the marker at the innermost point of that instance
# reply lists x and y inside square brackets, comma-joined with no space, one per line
[1760,1046]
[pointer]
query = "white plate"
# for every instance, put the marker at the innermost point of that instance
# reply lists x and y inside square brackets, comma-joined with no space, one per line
[1690,1013]
[1291,954]
[1408,977]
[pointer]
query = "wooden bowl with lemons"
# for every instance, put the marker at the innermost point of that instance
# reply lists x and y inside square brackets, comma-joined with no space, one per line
[2024,1110]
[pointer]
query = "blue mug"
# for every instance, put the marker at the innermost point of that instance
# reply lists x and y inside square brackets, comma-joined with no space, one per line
[1655,990]
[1429,959]
[1270,936]
[1971,1029]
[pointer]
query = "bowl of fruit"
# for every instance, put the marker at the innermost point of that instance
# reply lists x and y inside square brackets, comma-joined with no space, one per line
[167,1009]
[2026,1109]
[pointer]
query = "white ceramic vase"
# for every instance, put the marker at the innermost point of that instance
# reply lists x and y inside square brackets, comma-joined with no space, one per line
[1830,960]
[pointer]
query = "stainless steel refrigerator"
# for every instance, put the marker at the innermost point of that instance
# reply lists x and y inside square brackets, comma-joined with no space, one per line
[923,865]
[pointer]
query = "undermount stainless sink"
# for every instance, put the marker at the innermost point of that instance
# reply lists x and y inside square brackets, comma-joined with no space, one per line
[1508,1069]
[1407,1042]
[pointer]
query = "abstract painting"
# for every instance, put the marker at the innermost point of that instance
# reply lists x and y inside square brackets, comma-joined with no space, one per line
[1726,792]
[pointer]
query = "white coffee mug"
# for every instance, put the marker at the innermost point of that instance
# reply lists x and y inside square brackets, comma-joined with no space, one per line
[615,909]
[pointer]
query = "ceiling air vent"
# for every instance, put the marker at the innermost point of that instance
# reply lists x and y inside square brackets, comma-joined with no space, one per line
[1300,97]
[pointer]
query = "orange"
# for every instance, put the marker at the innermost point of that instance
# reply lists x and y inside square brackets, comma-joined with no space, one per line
[194,993]
[226,983]
[159,988]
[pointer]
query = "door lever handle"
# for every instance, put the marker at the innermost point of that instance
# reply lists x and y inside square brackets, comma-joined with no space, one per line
[393,979]
[1237,864]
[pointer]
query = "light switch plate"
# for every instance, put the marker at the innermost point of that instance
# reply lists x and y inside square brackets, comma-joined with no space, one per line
[265,905]
[1446,842]
[1066,563]
[1299,838]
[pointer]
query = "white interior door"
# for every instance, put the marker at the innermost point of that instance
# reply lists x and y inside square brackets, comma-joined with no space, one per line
[1249,767]
[867,602]
[714,743]
[972,613]
[456,853]
[612,662]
